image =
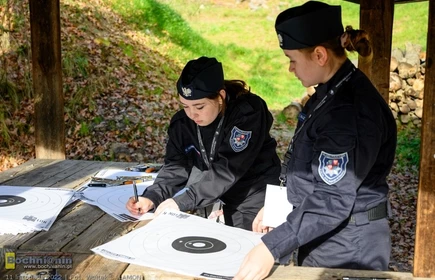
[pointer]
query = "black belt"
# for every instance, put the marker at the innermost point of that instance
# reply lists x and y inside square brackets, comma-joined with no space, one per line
[378,212]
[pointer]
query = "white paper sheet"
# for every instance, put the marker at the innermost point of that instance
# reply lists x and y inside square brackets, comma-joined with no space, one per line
[276,206]
[27,209]
[112,200]
[185,244]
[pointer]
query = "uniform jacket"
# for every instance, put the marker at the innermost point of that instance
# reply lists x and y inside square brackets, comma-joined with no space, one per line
[341,158]
[244,162]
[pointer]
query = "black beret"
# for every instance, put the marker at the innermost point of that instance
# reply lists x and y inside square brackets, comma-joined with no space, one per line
[201,78]
[308,25]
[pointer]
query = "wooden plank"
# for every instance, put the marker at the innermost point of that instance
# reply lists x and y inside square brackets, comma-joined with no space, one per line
[305,273]
[21,169]
[47,79]
[65,229]
[81,172]
[95,267]
[424,264]
[378,70]
[141,272]
[278,273]
[102,231]
[63,172]
[41,174]
[12,241]
[81,175]
[56,173]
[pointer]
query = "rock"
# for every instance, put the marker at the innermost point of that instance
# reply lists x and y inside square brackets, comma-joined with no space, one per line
[393,64]
[411,104]
[404,119]
[404,109]
[406,70]
[397,54]
[292,111]
[395,82]
[419,112]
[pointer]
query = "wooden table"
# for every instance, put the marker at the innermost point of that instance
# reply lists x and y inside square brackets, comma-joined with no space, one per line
[80,227]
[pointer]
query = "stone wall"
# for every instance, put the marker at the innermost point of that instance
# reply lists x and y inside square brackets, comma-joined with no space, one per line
[407,70]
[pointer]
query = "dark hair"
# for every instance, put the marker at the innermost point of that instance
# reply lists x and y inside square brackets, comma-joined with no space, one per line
[357,40]
[233,88]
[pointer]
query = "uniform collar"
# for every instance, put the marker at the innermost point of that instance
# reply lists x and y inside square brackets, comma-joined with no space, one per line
[211,127]
[322,89]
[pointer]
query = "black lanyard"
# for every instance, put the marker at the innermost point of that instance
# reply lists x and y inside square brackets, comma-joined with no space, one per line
[287,156]
[213,143]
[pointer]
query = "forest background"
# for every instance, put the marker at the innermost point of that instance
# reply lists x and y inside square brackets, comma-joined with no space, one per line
[121,59]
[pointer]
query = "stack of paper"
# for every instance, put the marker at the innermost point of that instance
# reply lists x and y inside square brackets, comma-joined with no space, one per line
[113,200]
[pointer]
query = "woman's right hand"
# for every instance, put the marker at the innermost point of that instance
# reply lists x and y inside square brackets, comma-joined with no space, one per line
[140,207]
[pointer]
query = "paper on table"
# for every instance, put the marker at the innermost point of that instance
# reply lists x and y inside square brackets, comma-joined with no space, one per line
[185,244]
[276,206]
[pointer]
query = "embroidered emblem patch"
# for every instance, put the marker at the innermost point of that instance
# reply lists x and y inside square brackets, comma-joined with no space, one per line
[239,139]
[187,92]
[332,167]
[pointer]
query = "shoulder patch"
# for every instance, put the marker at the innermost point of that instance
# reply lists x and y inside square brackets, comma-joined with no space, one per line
[239,139]
[332,167]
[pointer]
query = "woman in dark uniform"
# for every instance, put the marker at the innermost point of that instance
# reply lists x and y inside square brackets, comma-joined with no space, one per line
[221,137]
[342,151]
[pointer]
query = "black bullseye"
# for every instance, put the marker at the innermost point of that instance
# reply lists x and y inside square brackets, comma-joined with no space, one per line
[198,245]
[9,200]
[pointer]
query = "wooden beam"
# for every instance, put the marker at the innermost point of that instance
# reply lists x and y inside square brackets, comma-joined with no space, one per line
[47,79]
[371,13]
[424,264]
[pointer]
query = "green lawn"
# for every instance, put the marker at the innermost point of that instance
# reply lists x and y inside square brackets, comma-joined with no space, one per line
[244,39]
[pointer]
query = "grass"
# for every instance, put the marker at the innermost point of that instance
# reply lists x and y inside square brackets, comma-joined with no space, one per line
[244,40]
[408,147]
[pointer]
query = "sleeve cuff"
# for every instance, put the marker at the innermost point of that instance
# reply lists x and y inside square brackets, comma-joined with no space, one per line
[281,242]
[154,197]
[184,202]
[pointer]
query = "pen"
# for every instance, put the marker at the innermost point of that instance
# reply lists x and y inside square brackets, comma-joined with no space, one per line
[364,278]
[136,198]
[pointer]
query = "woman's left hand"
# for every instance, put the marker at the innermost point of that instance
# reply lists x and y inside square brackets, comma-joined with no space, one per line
[167,204]
[256,265]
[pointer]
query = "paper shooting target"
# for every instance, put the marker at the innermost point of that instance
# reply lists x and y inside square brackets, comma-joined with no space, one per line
[112,200]
[185,244]
[36,207]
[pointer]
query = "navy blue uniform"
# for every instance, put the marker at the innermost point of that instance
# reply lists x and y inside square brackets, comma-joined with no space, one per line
[336,173]
[245,161]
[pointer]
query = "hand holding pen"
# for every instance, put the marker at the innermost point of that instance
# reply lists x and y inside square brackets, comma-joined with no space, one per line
[138,205]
